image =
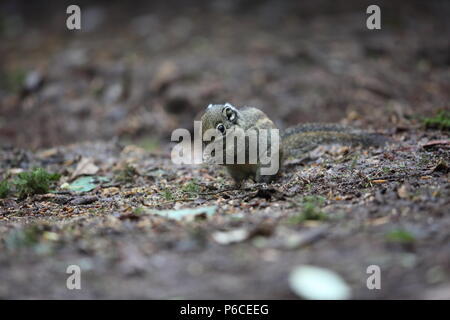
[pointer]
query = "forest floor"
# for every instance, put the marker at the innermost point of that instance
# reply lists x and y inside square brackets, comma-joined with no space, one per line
[101,116]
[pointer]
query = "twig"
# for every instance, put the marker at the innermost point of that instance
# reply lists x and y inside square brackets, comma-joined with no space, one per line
[218,191]
[176,200]
[390,177]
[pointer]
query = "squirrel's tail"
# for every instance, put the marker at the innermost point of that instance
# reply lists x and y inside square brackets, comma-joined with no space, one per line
[304,137]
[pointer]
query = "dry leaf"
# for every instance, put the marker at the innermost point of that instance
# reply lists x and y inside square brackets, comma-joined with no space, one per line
[403,192]
[85,167]
[379,181]
[442,166]
[379,221]
[434,143]
[228,237]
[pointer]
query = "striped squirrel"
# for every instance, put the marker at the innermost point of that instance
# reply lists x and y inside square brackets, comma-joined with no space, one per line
[295,141]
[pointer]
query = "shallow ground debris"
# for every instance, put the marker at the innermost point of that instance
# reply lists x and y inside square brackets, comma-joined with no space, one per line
[249,246]
[338,208]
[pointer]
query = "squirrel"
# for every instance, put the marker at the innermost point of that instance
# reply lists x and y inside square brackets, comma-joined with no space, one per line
[295,141]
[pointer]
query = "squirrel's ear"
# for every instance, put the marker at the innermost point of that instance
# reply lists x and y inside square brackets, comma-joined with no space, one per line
[230,112]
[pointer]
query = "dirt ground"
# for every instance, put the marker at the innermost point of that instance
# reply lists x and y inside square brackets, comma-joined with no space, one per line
[102,103]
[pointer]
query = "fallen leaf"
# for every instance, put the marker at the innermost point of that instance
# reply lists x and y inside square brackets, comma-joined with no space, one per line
[379,181]
[189,213]
[379,221]
[48,153]
[442,166]
[228,237]
[110,191]
[15,171]
[85,167]
[345,197]
[403,191]
[85,184]
[316,283]
[434,143]
[50,236]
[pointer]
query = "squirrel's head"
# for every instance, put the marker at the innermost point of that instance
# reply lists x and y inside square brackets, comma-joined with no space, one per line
[220,117]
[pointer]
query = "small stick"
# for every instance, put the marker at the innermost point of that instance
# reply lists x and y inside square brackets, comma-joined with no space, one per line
[218,191]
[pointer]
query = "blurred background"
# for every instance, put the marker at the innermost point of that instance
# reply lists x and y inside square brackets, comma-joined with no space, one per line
[139,69]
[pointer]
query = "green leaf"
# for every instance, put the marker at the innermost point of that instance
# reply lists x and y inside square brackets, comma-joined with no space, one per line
[86,183]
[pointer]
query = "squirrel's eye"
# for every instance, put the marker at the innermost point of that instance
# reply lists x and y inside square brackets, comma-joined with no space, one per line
[221,128]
